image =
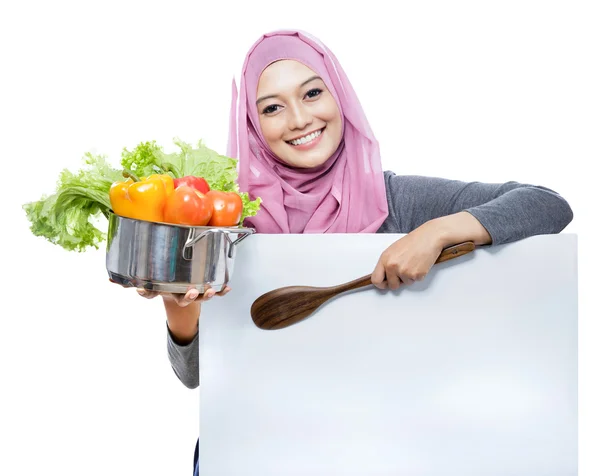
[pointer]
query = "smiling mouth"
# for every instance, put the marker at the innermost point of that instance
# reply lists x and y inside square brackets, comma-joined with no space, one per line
[307,138]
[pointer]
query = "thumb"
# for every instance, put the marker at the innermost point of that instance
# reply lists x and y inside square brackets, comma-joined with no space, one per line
[378,276]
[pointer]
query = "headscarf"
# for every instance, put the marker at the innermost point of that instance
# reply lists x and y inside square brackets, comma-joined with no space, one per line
[347,193]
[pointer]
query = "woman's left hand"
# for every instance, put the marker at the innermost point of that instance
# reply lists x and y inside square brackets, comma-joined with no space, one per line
[408,260]
[411,257]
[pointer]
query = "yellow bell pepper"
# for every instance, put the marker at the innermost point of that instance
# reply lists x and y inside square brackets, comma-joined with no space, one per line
[141,200]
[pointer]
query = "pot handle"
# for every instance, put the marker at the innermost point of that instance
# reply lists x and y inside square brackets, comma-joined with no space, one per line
[193,238]
[244,232]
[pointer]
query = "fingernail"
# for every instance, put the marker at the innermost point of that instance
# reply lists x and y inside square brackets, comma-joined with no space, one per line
[142,292]
[193,294]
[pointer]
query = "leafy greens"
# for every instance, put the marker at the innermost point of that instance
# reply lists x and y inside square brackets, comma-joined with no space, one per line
[66,217]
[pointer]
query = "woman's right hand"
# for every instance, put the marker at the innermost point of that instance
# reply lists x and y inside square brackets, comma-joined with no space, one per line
[183,300]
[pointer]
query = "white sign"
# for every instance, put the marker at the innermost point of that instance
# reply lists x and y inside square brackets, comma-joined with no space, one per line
[472,371]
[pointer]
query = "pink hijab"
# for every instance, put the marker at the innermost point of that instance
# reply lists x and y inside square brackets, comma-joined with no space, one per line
[344,195]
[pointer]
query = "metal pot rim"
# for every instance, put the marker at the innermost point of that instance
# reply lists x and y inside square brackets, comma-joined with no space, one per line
[225,229]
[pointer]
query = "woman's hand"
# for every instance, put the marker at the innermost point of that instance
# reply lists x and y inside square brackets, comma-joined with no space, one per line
[183,300]
[407,260]
[411,257]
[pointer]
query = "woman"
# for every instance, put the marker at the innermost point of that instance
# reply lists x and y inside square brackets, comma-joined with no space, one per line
[305,147]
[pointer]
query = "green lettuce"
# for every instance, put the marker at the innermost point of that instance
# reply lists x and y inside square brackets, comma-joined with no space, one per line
[66,218]
[200,161]
[142,161]
[69,216]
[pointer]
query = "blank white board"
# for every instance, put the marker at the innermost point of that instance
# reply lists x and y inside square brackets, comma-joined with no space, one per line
[472,371]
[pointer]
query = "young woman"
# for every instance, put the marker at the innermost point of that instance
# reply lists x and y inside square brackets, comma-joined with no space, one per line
[306,148]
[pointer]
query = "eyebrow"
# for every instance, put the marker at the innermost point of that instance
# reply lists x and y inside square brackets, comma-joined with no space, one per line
[262,98]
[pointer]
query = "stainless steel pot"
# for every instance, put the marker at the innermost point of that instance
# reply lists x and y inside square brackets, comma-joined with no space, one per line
[171,258]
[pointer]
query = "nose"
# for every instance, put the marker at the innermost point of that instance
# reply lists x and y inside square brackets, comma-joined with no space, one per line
[299,117]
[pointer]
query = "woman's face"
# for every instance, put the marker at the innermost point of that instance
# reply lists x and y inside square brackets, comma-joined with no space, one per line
[299,118]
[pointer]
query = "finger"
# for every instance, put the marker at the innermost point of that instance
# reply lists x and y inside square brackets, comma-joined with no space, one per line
[392,278]
[378,276]
[224,291]
[186,299]
[208,294]
[146,294]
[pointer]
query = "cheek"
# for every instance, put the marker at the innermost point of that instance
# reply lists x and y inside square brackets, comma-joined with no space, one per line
[271,129]
[331,114]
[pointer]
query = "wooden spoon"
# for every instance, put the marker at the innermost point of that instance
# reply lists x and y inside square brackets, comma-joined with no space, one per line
[286,306]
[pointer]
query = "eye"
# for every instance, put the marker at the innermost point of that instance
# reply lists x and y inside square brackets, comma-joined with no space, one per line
[270,109]
[313,93]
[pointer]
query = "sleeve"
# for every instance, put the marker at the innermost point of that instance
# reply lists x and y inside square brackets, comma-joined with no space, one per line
[509,211]
[184,360]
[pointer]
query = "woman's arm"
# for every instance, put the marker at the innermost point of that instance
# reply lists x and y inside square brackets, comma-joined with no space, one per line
[183,315]
[184,360]
[509,211]
[182,321]
[182,340]
[436,213]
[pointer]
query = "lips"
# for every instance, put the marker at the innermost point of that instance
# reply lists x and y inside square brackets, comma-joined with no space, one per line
[306,139]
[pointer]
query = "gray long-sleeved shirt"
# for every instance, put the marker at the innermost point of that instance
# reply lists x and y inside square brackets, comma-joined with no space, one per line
[509,212]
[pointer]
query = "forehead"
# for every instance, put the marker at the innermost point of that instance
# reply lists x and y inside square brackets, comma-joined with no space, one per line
[282,76]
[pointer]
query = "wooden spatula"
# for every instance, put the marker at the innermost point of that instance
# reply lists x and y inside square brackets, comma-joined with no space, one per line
[286,306]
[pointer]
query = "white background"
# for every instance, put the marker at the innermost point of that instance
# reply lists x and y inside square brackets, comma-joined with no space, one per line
[473,90]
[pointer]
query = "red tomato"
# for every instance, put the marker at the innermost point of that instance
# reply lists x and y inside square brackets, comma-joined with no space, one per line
[195,182]
[227,208]
[187,206]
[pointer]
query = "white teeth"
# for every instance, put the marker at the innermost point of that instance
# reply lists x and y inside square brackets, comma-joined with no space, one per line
[305,139]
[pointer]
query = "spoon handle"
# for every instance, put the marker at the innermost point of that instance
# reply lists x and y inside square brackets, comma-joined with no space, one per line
[448,253]
[455,251]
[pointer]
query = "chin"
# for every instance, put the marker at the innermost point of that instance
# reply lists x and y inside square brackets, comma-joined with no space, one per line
[310,163]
